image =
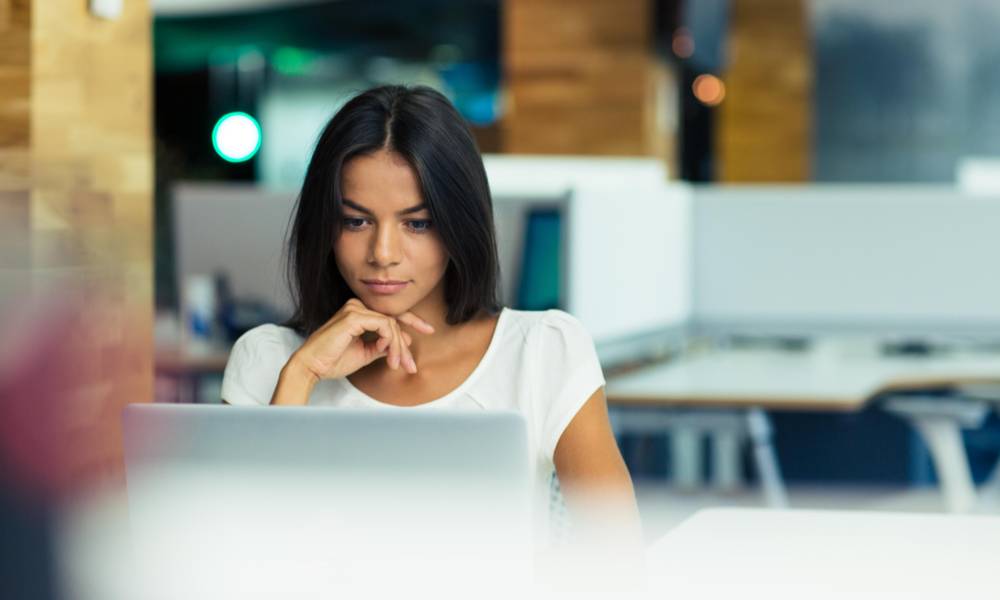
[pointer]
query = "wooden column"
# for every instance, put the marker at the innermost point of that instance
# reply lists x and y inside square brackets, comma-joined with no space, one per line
[580,78]
[15,130]
[76,193]
[765,122]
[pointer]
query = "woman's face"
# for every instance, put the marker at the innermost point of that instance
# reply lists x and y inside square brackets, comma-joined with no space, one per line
[388,251]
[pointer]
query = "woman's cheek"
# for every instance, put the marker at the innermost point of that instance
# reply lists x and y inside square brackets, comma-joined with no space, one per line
[440,257]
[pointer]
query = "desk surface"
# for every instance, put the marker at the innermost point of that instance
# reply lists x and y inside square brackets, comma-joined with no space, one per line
[740,553]
[777,379]
[184,361]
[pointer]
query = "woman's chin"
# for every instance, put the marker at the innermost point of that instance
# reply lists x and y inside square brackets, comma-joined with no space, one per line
[387,305]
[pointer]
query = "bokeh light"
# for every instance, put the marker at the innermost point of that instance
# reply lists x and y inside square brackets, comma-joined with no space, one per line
[683,43]
[236,137]
[709,89]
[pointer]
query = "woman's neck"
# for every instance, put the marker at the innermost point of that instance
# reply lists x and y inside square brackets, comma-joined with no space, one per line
[434,310]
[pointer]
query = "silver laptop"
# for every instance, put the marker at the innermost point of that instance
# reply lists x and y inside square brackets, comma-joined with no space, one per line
[321,496]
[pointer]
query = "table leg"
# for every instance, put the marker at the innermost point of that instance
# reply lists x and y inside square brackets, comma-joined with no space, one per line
[685,447]
[725,459]
[759,428]
[939,421]
[686,429]
[990,491]
[944,438]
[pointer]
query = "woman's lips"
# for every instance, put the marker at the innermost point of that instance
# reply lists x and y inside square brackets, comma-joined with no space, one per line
[384,287]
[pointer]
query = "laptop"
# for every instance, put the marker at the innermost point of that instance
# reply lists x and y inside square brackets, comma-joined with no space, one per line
[263,498]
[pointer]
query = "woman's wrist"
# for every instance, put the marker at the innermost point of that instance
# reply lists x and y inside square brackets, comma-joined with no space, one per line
[295,383]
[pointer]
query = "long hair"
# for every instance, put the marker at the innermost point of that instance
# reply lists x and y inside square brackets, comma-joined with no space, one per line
[422,126]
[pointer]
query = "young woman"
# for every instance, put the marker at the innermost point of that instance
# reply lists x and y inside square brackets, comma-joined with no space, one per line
[393,265]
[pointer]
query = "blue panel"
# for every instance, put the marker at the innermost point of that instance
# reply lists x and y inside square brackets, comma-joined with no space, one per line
[539,286]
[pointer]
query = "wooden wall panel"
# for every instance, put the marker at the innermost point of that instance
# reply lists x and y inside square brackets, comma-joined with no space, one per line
[15,131]
[765,122]
[580,77]
[76,193]
[15,96]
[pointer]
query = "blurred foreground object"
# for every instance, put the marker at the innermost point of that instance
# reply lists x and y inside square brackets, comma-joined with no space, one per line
[75,265]
[826,554]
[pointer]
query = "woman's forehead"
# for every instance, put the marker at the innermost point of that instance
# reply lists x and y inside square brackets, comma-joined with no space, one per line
[383,181]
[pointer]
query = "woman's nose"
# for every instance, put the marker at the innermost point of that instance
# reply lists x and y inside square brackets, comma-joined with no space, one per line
[385,250]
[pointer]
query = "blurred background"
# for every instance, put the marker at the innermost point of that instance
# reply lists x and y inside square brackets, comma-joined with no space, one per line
[774,216]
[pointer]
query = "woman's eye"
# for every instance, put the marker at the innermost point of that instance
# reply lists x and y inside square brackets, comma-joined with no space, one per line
[420,225]
[354,223]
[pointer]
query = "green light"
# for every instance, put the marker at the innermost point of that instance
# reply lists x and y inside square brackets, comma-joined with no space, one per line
[236,137]
[292,61]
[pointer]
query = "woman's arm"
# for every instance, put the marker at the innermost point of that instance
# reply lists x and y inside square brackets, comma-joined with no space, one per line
[295,384]
[596,483]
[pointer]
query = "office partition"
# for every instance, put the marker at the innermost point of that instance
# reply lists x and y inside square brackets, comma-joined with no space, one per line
[814,258]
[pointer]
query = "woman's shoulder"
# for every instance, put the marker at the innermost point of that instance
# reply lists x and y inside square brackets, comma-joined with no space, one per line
[269,337]
[255,363]
[541,322]
[546,335]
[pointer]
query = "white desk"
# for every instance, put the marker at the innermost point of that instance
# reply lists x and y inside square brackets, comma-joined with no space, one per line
[756,380]
[747,553]
[785,380]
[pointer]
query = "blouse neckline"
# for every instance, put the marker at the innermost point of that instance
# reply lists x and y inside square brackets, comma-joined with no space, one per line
[491,349]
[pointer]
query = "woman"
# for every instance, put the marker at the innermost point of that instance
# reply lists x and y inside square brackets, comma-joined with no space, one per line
[393,265]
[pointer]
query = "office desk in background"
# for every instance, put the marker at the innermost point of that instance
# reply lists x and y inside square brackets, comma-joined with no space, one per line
[185,369]
[727,392]
[795,554]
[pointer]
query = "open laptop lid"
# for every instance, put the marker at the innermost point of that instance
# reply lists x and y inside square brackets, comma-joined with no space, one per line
[260,497]
[489,446]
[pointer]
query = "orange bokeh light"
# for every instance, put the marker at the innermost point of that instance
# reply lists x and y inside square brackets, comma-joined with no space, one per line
[709,89]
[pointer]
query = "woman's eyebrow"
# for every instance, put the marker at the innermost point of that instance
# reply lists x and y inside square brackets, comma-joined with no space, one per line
[412,209]
[405,211]
[356,206]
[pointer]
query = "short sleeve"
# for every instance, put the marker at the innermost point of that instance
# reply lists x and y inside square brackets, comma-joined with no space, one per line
[254,364]
[568,373]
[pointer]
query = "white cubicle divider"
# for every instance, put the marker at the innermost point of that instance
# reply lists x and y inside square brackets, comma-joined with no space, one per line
[627,239]
[878,258]
[237,230]
[531,176]
[629,258]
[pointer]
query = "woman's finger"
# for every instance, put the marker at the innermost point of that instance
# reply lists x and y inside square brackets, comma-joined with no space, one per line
[373,352]
[362,322]
[406,359]
[415,322]
[395,359]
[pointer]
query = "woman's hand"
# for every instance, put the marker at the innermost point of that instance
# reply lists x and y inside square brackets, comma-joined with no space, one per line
[354,337]
[340,347]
